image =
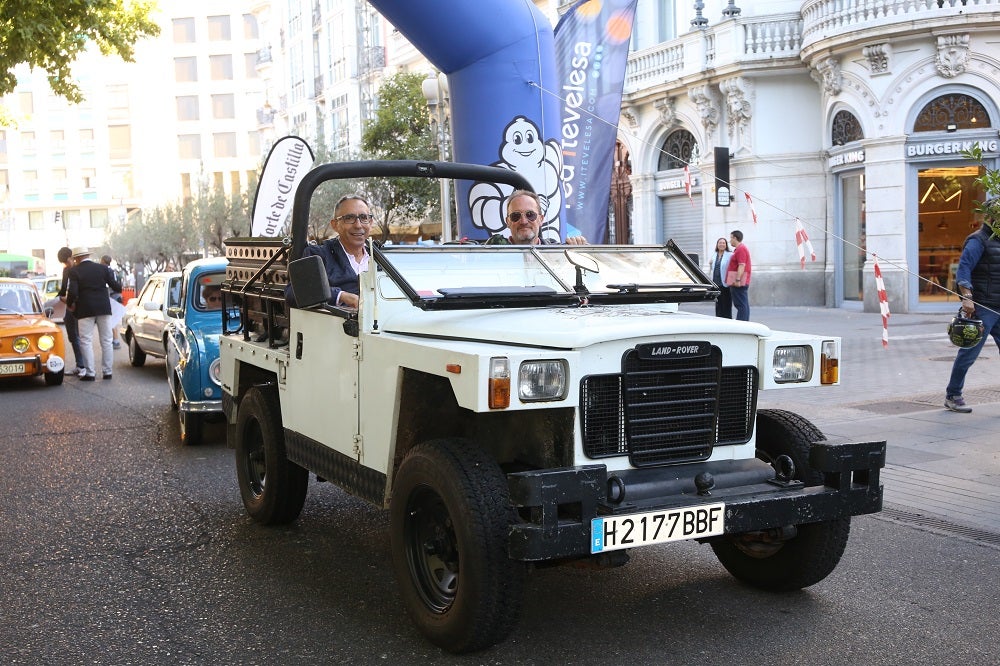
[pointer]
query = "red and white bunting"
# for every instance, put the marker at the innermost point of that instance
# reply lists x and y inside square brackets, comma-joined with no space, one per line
[687,183]
[753,213]
[883,303]
[803,243]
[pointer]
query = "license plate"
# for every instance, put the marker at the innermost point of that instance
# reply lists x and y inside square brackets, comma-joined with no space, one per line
[12,369]
[646,529]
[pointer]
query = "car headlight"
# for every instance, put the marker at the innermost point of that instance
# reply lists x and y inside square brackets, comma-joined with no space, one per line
[792,364]
[21,344]
[542,380]
[215,371]
[46,342]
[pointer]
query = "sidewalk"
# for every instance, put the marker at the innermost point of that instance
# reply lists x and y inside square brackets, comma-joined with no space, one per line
[943,468]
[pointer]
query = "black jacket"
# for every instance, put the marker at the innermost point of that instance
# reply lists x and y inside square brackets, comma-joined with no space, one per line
[88,289]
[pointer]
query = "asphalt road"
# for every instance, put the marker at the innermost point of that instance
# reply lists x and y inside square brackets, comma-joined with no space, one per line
[119,546]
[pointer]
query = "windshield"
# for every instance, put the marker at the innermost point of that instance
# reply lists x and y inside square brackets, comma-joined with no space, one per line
[455,276]
[19,298]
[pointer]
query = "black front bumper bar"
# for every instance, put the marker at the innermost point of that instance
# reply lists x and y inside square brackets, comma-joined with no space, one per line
[557,505]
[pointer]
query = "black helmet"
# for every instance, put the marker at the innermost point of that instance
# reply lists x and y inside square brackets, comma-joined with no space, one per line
[965,332]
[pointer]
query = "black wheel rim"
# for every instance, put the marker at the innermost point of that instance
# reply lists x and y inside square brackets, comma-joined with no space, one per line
[431,549]
[254,461]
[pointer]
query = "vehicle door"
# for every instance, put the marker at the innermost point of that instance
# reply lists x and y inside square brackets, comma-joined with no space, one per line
[150,317]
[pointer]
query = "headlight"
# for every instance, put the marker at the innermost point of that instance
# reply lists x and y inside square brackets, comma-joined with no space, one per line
[542,380]
[215,371]
[46,342]
[21,344]
[792,364]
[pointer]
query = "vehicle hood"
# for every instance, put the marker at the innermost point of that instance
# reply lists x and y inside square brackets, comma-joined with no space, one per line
[13,324]
[565,328]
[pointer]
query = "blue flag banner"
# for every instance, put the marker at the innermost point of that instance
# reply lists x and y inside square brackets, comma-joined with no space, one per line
[592,42]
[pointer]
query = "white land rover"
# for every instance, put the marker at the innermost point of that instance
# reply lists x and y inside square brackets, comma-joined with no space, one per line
[512,405]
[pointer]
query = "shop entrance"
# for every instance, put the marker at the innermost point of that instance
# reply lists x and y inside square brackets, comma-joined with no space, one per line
[852,206]
[947,197]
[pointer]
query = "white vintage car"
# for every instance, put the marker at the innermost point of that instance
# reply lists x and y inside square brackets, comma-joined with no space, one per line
[519,404]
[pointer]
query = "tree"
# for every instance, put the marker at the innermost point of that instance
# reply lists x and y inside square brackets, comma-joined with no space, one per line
[50,35]
[401,131]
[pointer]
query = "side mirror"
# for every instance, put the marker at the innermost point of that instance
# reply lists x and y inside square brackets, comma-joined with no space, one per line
[310,284]
[49,311]
[174,312]
[150,306]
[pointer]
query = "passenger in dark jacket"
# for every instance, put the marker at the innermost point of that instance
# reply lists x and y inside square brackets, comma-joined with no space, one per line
[344,257]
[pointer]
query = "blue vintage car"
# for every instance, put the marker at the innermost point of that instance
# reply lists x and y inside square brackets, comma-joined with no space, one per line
[193,347]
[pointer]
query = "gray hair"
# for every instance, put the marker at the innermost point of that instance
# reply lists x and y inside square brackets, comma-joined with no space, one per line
[524,193]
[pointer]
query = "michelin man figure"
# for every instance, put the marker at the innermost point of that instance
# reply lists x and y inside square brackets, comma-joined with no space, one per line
[540,162]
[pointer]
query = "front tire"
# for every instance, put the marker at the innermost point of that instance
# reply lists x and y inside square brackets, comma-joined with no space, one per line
[54,378]
[136,356]
[273,488]
[449,520]
[192,427]
[815,550]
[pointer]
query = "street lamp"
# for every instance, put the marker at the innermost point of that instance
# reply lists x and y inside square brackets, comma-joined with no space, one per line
[435,89]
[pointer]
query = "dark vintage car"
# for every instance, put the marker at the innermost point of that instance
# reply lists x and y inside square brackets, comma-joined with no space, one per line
[143,326]
[192,336]
[31,344]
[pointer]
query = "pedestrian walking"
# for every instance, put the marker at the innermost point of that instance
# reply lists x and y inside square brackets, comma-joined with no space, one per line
[117,297]
[738,276]
[65,257]
[978,283]
[88,294]
[720,266]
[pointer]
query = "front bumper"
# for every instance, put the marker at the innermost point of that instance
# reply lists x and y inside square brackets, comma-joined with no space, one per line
[200,406]
[557,505]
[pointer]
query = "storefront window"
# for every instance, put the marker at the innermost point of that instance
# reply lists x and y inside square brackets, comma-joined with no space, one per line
[947,197]
[853,207]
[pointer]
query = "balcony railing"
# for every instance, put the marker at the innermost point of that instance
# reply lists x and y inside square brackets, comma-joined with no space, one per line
[824,19]
[742,41]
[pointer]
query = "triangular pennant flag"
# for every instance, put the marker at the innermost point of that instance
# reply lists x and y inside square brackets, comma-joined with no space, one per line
[883,303]
[753,213]
[802,242]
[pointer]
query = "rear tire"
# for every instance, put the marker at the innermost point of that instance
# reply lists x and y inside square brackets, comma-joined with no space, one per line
[273,488]
[136,356]
[814,552]
[449,520]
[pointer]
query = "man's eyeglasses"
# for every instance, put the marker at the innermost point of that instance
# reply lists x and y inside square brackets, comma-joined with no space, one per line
[529,215]
[352,218]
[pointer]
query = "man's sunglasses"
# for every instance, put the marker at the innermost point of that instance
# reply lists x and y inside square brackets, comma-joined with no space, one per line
[529,215]
[351,218]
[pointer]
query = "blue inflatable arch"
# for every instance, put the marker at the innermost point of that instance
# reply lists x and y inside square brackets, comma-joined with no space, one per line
[499,56]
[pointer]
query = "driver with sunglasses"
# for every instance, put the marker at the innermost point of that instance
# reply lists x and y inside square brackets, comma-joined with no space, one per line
[524,219]
[345,257]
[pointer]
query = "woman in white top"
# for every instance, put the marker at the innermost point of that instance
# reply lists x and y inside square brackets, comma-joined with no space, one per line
[720,264]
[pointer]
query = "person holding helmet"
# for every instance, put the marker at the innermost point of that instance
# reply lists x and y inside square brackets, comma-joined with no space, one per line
[978,282]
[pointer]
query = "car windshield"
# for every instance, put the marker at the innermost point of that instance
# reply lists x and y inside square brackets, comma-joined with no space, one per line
[463,276]
[208,291]
[17,298]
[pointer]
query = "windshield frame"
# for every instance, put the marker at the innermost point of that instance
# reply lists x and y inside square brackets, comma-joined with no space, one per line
[554,273]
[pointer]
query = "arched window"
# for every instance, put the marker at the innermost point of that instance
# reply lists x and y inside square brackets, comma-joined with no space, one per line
[950,113]
[846,129]
[678,149]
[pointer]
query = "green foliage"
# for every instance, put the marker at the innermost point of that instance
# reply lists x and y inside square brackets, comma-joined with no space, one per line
[990,182]
[50,35]
[401,130]
[175,233]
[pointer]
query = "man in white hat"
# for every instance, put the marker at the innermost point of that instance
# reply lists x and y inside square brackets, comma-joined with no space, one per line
[88,296]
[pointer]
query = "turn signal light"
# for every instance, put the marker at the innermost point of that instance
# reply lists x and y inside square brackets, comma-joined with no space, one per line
[829,364]
[499,386]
